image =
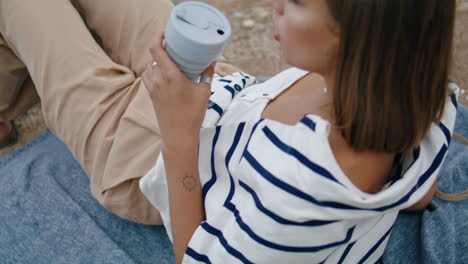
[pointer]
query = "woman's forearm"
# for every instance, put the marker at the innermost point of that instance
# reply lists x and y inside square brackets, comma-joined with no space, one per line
[180,106]
[185,194]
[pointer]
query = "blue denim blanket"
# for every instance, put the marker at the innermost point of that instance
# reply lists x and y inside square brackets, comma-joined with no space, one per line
[440,235]
[49,216]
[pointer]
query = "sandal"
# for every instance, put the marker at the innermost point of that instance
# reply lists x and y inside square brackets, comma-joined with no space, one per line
[10,139]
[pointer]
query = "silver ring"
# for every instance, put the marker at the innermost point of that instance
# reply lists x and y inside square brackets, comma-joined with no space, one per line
[205,79]
[154,64]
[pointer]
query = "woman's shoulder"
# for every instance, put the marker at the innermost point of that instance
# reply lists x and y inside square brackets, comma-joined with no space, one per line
[271,87]
[286,76]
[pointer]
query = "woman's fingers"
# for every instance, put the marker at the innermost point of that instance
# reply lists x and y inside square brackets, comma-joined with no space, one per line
[209,72]
[150,79]
[160,56]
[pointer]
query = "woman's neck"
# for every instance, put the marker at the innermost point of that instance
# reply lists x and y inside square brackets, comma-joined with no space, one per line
[329,79]
[369,177]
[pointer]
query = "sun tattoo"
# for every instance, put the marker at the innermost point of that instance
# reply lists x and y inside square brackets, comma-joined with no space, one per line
[190,183]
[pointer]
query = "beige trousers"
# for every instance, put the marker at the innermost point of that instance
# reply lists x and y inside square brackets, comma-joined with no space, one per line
[17,91]
[92,96]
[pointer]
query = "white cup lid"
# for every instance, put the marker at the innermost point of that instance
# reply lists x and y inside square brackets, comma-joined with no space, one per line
[196,29]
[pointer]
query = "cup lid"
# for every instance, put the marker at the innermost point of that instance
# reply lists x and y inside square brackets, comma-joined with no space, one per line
[200,23]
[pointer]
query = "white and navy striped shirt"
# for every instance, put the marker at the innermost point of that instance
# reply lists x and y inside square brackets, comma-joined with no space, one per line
[274,193]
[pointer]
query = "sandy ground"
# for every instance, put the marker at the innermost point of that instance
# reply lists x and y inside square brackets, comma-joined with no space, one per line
[253,49]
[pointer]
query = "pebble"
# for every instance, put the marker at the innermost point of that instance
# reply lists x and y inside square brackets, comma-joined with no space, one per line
[248,23]
[264,15]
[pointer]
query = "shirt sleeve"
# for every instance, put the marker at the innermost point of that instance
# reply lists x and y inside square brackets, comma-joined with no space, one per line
[223,91]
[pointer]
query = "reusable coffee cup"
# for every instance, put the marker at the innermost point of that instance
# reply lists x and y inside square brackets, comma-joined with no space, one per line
[196,35]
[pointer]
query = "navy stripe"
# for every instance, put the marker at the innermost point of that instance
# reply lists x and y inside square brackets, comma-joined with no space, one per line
[446,132]
[434,166]
[250,137]
[345,253]
[298,193]
[309,123]
[422,179]
[243,75]
[453,98]
[228,157]
[276,217]
[301,158]
[231,90]
[280,184]
[215,232]
[196,256]
[216,107]
[374,248]
[226,81]
[292,190]
[272,245]
[212,181]
[416,154]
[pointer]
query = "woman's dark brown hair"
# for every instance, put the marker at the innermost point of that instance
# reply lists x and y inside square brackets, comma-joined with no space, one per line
[392,70]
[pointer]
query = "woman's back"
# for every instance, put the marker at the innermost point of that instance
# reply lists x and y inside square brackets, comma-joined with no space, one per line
[367,170]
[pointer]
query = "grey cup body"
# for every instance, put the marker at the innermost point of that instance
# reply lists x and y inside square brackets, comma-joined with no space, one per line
[196,35]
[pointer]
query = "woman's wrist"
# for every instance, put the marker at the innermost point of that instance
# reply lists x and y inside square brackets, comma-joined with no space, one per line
[180,146]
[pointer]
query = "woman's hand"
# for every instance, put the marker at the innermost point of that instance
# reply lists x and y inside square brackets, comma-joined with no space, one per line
[179,103]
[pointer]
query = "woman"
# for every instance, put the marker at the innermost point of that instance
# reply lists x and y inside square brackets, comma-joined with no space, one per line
[95,101]
[302,169]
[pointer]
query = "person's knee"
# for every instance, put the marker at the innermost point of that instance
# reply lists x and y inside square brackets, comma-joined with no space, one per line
[127,201]
[224,68]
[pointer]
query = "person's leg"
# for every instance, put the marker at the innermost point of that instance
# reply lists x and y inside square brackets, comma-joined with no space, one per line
[86,100]
[13,99]
[8,134]
[5,129]
[12,75]
[127,29]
